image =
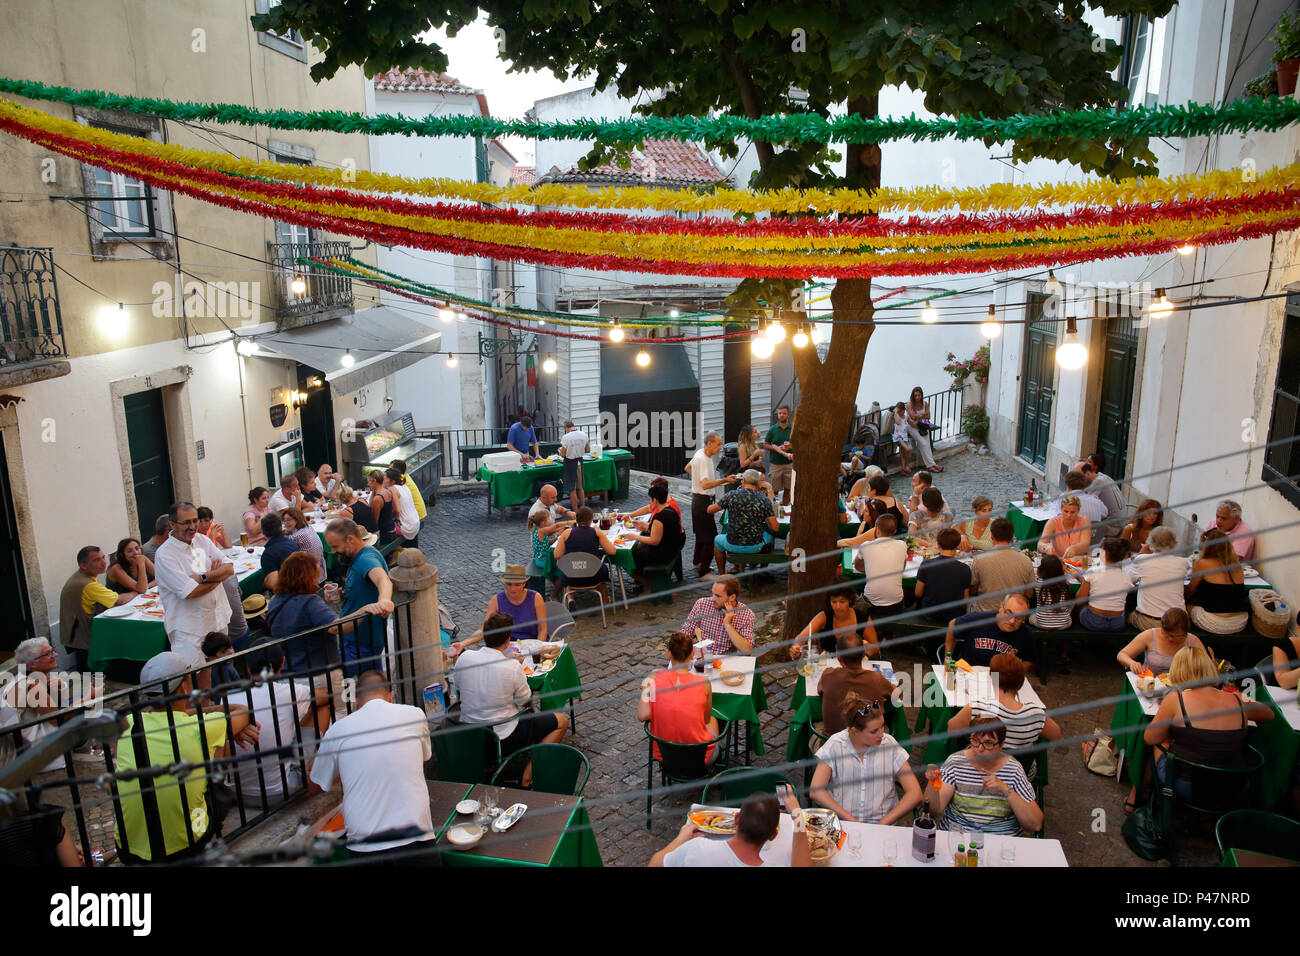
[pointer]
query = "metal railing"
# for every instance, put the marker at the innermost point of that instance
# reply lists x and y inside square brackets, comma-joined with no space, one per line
[325,291]
[358,643]
[462,447]
[31,325]
[945,418]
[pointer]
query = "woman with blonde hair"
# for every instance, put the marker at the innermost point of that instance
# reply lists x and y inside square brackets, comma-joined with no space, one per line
[1069,533]
[1216,595]
[748,449]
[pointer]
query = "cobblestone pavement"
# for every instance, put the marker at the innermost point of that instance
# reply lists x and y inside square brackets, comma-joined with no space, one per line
[1084,811]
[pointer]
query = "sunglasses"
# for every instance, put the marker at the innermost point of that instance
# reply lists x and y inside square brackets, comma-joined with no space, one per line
[869,708]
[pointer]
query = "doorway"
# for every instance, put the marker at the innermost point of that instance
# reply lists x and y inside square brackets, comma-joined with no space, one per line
[736,388]
[1118,371]
[1036,377]
[13,581]
[316,418]
[151,468]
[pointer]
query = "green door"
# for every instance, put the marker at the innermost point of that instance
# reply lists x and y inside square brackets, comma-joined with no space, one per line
[151,466]
[1036,390]
[13,582]
[1117,393]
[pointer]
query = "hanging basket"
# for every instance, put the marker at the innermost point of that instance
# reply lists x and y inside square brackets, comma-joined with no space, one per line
[1269,613]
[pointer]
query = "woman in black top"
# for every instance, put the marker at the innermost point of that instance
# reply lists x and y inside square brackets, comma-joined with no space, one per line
[1216,594]
[582,538]
[840,613]
[360,510]
[131,572]
[381,506]
[664,541]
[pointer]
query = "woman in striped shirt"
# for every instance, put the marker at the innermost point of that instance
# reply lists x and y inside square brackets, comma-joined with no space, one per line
[983,787]
[1024,722]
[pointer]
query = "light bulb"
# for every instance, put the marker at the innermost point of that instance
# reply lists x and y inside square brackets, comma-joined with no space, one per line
[642,357]
[1053,285]
[616,331]
[800,339]
[817,336]
[347,361]
[761,346]
[446,315]
[1160,307]
[245,347]
[775,330]
[451,360]
[929,315]
[991,328]
[548,365]
[673,313]
[1071,353]
[299,284]
[1186,249]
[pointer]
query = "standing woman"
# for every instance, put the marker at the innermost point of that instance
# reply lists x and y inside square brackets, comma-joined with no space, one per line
[918,411]
[1216,596]
[748,449]
[382,506]
[840,616]
[259,506]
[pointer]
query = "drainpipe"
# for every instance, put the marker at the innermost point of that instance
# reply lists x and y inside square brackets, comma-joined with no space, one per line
[243,411]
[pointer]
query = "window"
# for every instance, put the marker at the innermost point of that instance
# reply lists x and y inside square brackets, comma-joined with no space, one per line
[1282,462]
[127,218]
[290,44]
[1144,58]
[125,205]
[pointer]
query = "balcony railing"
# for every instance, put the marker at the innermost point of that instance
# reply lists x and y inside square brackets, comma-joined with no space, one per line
[325,292]
[31,325]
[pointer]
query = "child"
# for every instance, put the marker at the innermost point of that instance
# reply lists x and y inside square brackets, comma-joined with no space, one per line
[900,436]
[215,647]
[1053,600]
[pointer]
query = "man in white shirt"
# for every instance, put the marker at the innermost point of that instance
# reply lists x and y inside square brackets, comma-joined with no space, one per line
[558,517]
[408,520]
[378,753]
[288,495]
[757,823]
[326,480]
[704,479]
[1159,576]
[493,689]
[573,445]
[190,571]
[883,561]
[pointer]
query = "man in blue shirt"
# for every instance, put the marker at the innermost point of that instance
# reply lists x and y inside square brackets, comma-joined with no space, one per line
[367,583]
[523,439]
[278,547]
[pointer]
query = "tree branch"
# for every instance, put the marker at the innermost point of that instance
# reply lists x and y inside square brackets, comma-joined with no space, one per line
[748,94]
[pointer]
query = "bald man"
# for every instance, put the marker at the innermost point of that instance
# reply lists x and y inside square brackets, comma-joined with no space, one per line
[980,636]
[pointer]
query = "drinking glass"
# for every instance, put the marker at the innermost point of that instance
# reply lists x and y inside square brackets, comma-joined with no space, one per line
[490,804]
[855,845]
[1008,853]
[889,851]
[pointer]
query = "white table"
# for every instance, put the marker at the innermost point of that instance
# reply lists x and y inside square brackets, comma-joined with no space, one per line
[140,606]
[978,685]
[1286,701]
[812,685]
[1029,851]
[732,662]
[1038,512]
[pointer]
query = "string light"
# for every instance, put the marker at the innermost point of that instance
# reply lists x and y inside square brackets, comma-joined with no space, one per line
[1052,286]
[1160,307]
[761,345]
[673,313]
[451,360]
[800,339]
[616,331]
[347,361]
[817,335]
[1187,248]
[548,364]
[1071,353]
[775,330]
[299,284]
[246,347]
[446,315]
[642,357]
[991,328]
[929,315]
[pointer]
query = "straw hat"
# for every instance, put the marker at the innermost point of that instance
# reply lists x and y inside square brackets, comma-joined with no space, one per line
[515,574]
[370,539]
[254,606]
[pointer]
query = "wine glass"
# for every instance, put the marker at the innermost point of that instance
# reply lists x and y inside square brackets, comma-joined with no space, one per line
[490,804]
[889,851]
[855,845]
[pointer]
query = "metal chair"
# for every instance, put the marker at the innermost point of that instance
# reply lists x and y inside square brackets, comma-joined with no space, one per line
[582,565]
[559,622]
[820,738]
[1258,831]
[466,752]
[1214,790]
[731,787]
[682,763]
[557,768]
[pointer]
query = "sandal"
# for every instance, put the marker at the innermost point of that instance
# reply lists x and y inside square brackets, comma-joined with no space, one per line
[936,468]
[1129,806]
[907,469]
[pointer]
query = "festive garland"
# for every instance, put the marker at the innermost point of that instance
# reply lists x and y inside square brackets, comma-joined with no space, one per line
[1193,119]
[1218,184]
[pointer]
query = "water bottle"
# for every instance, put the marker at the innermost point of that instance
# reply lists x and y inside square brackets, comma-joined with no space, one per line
[976,848]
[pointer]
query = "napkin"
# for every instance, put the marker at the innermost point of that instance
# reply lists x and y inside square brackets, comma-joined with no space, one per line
[963,665]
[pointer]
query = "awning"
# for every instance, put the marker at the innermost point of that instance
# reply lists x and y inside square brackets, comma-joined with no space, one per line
[382,341]
[669,371]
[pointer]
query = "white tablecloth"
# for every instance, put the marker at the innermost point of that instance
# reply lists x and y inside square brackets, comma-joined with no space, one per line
[1029,851]
[812,685]
[1037,512]
[979,685]
[245,564]
[732,662]
[1287,703]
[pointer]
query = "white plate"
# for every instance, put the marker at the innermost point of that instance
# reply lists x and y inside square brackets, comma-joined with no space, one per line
[122,610]
[467,806]
[465,835]
[545,667]
[1250,572]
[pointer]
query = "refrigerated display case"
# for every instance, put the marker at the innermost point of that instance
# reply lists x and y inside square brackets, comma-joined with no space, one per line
[384,441]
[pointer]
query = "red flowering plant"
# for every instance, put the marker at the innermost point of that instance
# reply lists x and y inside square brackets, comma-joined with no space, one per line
[976,367]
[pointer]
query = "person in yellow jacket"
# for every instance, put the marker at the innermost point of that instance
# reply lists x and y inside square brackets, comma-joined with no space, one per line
[420,509]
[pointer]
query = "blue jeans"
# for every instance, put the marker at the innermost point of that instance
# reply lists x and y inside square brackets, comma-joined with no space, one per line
[1182,786]
[1099,622]
[725,546]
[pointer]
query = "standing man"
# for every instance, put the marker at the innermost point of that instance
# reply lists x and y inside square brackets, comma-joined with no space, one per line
[720,617]
[780,457]
[81,599]
[367,583]
[704,478]
[190,571]
[522,439]
[573,445]
[385,798]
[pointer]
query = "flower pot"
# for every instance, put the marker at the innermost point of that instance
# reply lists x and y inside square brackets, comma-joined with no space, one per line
[1286,76]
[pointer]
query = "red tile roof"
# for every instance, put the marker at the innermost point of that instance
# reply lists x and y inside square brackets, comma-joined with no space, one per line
[523,175]
[414,80]
[663,162]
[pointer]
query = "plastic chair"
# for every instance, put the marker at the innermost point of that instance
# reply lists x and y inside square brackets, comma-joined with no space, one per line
[557,768]
[1260,832]
[661,580]
[583,565]
[731,787]
[559,622]
[682,763]
[466,752]
[820,738]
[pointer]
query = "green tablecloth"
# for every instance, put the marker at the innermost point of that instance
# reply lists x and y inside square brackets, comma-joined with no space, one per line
[559,685]
[736,707]
[621,557]
[507,488]
[1026,528]
[577,847]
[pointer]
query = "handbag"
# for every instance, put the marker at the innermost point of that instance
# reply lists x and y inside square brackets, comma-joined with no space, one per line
[1099,755]
[923,427]
[1145,834]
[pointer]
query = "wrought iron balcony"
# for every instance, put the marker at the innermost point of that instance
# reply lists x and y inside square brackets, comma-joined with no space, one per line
[324,295]
[31,326]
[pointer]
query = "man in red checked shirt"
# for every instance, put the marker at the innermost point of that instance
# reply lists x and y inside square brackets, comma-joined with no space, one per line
[722,619]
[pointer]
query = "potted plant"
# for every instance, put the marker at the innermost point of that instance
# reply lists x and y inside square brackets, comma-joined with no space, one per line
[975,423]
[1287,53]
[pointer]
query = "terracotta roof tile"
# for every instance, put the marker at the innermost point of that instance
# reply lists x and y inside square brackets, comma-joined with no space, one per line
[414,80]
[523,175]
[665,162]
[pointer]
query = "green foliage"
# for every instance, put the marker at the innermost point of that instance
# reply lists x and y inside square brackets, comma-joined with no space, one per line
[1263,85]
[1287,38]
[975,423]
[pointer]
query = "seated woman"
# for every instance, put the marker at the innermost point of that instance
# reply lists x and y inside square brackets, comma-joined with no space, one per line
[297,527]
[858,767]
[662,544]
[678,703]
[259,506]
[537,523]
[647,510]
[212,528]
[296,607]
[1150,515]
[984,787]
[975,534]
[859,489]
[1286,662]
[1105,590]
[130,571]
[839,616]
[1068,534]
[872,509]
[1198,721]
[1024,723]
[1158,646]
[582,538]
[1052,595]
[1216,595]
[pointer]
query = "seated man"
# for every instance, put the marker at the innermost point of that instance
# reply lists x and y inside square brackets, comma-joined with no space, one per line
[385,799]
[493,690]
[1227,518]
[751,521]
[883,562]
[850,677]
[941,581]
[980,636]
[278,547]
[757,823]
[1103,486]
[1090,506]
[216,647]
[288,495]
[162,529]
[1001,568]
[720,617]
[558,517]
[934,514]
[921,482]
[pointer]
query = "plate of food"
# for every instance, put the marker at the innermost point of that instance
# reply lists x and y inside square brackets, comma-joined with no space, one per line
[465,834]
[732,678]
[467,807]
[545,667]
[122,610]
[1249,572]
[720,820]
